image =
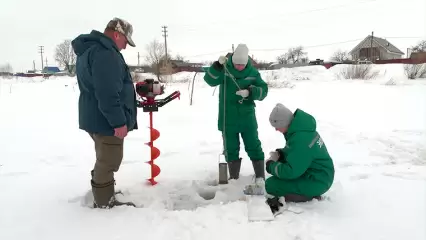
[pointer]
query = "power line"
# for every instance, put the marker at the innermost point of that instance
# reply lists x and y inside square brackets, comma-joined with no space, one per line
[401,37]
[312,46]
[211,53]
[305,47]
[256,17]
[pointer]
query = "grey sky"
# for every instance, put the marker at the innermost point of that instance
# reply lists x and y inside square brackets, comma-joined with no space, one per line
[200,30]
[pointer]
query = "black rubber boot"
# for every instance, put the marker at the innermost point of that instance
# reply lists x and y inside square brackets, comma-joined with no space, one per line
[92,173]
[104,196]
[275,204]
[259,168]
[234,169]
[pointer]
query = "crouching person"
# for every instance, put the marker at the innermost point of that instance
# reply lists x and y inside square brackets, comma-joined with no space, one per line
[303,169]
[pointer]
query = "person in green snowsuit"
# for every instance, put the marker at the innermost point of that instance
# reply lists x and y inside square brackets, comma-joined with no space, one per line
[240,84]
[303,169]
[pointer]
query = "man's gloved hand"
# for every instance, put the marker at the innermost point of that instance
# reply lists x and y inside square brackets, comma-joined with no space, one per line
[243,93]
[222,60]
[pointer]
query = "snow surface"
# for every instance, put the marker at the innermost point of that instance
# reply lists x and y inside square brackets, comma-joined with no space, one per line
[375,131]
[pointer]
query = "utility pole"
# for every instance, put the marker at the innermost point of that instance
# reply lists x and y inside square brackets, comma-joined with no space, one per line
[139,59]
[34,65]
[41,55]
[371,48]
[233,48]
[165,42]
[46,63]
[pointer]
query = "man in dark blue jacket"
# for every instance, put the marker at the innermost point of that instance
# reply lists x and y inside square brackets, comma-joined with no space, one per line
[107,103]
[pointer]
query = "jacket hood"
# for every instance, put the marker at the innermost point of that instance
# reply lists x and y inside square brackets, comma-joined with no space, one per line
[302,122]
[84,41]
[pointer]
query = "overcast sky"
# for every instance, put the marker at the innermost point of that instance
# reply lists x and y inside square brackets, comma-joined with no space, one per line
[202,30]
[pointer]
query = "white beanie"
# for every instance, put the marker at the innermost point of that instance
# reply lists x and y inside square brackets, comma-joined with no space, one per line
[240,55]
[281,116]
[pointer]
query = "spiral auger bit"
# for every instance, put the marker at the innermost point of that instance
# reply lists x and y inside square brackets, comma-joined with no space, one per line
[148,90]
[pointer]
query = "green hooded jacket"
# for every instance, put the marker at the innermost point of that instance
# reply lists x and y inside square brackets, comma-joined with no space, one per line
[305,155]
[239,116]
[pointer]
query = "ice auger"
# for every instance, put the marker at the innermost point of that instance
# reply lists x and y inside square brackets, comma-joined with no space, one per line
[148,90]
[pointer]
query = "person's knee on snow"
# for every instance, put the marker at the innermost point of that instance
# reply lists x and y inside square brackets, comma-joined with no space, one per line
[303,169]
[291,190]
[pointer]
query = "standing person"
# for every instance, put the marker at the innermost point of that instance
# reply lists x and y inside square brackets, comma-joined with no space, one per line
[303,169]
[240,84]
[107,103]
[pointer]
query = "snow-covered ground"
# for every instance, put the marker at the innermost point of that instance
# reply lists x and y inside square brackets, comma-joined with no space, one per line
[375,132]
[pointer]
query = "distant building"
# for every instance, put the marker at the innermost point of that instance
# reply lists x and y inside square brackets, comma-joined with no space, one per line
[50,70]
[275,66]
[140,69]
[175,66]
[375,48]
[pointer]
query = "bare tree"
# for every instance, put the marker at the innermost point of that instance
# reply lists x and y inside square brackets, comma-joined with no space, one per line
[361,71]
[420,47]
[414,71]
[293,55]
[417,70]
[180,58]
[6,68]
[155,53]
[282,59]
[340,56]
[65,56]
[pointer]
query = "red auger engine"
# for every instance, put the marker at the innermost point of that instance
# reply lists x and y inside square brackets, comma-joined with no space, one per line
[148,90]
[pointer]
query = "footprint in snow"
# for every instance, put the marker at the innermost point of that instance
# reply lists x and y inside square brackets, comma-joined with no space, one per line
[360,176]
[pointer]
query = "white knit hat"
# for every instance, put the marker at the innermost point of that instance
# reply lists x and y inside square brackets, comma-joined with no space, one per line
[281,116]
[240,55]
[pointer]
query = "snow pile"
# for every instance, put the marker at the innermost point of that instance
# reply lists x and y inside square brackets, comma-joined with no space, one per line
[385,74]
[374,133]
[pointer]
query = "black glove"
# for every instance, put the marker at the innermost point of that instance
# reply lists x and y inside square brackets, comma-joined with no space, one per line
[281,154]
[268,163]
[217,66]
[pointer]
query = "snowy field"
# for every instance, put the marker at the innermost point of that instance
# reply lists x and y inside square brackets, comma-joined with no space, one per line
[375,131]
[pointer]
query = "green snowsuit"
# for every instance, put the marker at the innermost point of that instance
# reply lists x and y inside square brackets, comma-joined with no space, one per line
[305,166]
[240,118]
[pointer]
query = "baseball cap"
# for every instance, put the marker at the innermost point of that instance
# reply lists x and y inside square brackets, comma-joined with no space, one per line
[124,27]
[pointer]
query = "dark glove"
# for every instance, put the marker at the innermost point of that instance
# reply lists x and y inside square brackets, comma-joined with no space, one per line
[280,153]
[268,163]
[217,66]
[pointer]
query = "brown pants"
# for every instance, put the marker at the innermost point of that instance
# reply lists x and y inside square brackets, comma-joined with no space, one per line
[109,155]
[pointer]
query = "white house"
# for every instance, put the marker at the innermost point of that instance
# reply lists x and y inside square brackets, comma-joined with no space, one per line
[374,48]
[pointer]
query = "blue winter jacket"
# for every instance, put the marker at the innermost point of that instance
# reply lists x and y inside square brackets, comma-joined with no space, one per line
[107,94]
